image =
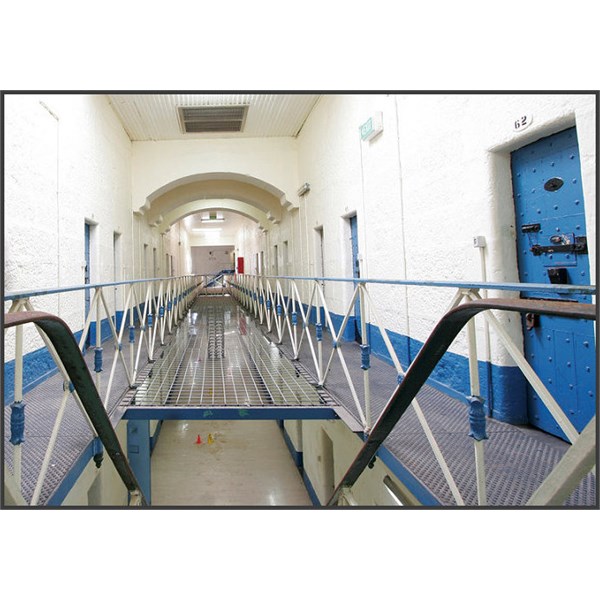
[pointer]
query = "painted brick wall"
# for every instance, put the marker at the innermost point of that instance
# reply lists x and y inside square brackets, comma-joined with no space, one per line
[438,175]
[68,161]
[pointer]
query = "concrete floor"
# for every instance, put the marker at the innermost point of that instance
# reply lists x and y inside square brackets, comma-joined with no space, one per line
[247,464]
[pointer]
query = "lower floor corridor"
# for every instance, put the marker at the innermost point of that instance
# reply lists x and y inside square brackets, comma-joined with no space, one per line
[224,463]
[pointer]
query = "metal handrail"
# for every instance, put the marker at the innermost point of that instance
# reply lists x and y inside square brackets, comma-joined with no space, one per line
[434,348]
[482,285]
[283,313]
[160,304]
[286,307]
[61,337]
[277,312]
[17,295]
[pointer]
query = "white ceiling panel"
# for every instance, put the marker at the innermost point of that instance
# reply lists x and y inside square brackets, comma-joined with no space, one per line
[153,117]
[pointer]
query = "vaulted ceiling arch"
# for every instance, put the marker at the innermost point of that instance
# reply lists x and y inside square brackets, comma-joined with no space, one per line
[228,204]
[248,190]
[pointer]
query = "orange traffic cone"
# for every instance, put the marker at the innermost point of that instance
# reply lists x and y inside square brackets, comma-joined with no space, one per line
[198,439]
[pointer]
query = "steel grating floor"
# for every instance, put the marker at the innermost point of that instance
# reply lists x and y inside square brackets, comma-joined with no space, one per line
[221,359]
[215,358]
[517,459]
[42,404]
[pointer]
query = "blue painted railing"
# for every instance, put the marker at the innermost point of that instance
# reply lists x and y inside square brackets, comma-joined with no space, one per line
[145,311]
[217,278]
[297,308]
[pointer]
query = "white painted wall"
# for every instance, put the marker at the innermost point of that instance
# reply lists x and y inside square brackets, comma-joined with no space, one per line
[157,164]
[68,161]
[250,241]
[438,175]
[211,259]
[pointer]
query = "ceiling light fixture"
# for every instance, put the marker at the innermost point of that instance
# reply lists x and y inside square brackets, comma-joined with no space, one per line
[212,219]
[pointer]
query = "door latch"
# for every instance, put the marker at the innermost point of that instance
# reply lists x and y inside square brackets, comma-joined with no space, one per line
[579,246]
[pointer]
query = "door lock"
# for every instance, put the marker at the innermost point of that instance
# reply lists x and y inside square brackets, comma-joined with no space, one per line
[578,246]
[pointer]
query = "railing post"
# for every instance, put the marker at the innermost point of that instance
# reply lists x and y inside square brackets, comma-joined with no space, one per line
[17,417]
[98,348]
[294,297]
[169,305]
[150,321]
[319,336]
[161,312]
[269,307]
[476,413]
[131,331]
[279,319]
[473,366]
[365,355]
[180,300]
[175,302]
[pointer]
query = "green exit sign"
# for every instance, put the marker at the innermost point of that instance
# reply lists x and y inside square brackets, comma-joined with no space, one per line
[366,129]
[371,127]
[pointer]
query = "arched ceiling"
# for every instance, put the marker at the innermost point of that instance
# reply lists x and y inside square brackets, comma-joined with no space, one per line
[227,229]
[244,194]
[228,204]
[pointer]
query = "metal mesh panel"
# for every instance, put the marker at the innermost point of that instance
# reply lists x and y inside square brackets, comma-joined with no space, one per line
[220,358]
[42,405]
[517,459]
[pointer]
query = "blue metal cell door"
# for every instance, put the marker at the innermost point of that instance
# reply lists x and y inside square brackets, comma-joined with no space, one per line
[552,248]
[355,275]
[86,277]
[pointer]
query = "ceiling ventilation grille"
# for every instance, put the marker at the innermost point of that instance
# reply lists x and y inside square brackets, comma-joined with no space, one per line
[211,119]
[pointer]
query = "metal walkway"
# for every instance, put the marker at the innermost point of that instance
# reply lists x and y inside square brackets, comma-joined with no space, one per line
[223,365]
[518,458]
[219,365]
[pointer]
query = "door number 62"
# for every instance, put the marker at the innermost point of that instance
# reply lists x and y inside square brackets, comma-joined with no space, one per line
[522,122]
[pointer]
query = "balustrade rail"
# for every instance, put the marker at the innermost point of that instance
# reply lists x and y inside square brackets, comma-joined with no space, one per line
[297,308]
[150,310]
